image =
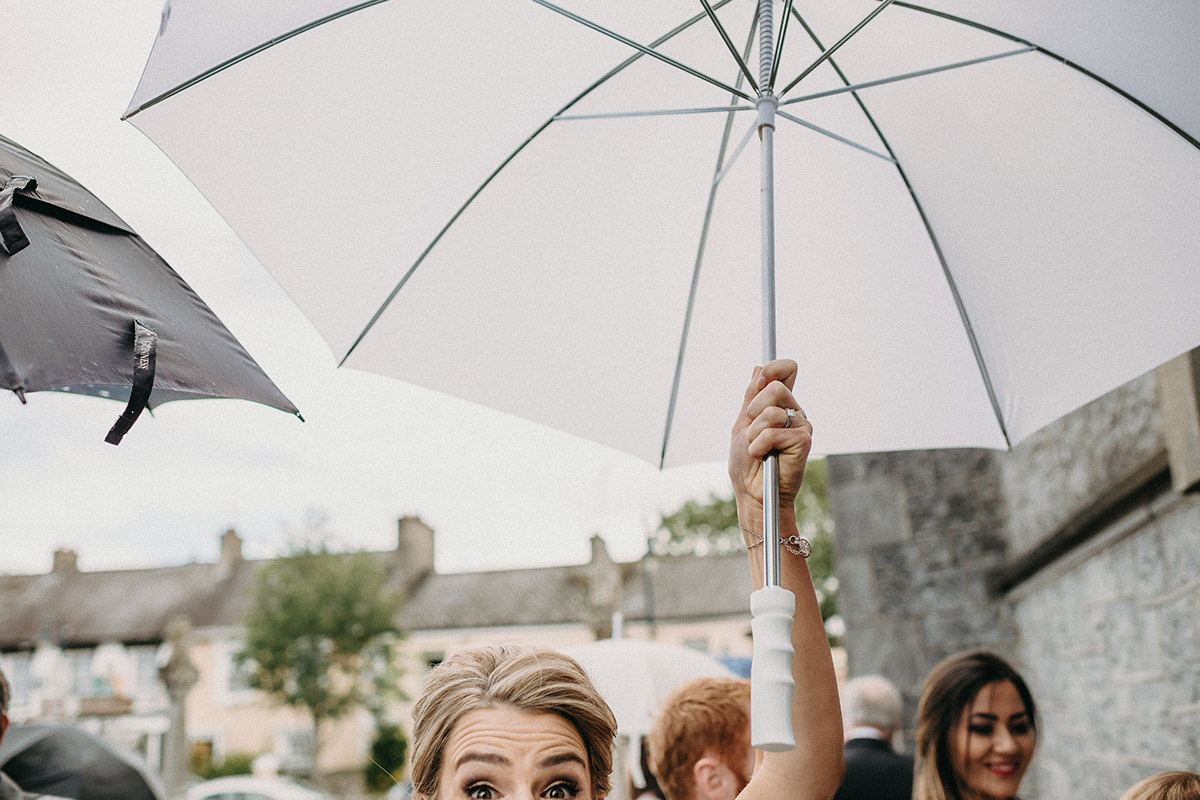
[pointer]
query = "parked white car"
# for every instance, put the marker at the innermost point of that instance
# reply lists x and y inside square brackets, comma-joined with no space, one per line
[247,787]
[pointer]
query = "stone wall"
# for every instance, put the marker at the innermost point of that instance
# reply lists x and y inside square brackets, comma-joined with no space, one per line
[1076,555]
[917,535]
[1111,648]
[1070,464]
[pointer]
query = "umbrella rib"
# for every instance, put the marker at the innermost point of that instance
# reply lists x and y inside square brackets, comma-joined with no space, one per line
[662,112]
[909,75]
[229,62]
[1065,61]
[718,173]
[650,51]
[741,62]
[836,137]
[507,160]
[828,54]
[720,176]
[964,316]
[787,13]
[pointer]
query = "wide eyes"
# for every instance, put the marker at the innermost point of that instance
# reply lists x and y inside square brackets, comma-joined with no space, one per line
[562,790]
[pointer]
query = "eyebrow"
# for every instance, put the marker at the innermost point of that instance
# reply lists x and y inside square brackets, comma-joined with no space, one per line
[501,761]
[562,758]
[486,758]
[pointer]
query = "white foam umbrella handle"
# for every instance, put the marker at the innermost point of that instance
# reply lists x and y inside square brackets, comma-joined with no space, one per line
[771,610]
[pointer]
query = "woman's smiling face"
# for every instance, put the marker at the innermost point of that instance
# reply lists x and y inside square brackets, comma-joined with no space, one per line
[502,752]
[992,743]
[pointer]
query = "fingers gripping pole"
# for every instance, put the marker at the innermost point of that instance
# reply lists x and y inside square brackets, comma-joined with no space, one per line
[771,680]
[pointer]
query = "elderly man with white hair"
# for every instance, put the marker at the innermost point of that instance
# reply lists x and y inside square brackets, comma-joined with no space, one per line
[872,708]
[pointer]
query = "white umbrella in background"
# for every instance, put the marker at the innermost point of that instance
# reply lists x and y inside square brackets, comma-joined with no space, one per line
[635,676]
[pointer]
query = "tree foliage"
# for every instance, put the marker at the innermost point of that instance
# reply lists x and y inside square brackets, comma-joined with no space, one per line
[386,765]
[704,528]
[321,633]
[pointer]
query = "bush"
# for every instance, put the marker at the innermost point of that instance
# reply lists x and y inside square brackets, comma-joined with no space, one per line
[233,764]
[386,767]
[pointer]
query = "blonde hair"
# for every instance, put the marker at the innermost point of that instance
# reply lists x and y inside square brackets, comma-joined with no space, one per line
[949,688]
[1178,785]
[539,681]
[702,714]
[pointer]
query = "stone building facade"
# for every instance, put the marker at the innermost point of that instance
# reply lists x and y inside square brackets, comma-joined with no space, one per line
[1076,555]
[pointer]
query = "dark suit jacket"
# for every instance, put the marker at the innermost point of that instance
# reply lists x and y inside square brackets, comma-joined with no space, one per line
[875,772]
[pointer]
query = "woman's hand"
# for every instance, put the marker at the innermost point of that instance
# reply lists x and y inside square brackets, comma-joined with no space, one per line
[764,426]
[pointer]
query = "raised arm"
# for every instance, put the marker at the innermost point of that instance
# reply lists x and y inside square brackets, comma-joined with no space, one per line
[813,770]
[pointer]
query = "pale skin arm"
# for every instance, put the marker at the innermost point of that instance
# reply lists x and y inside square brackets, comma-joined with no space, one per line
[813,770]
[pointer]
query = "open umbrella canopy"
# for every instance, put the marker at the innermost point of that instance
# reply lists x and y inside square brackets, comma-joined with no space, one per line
[984,211]
[70,762]
[86,306]
[635,676]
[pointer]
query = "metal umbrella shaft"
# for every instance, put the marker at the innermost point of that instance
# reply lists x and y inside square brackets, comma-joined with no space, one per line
[772,606]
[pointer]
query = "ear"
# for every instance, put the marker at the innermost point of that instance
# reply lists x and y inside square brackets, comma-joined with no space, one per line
[710,777]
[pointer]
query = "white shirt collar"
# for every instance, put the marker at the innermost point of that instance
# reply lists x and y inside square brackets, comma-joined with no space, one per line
[865,732]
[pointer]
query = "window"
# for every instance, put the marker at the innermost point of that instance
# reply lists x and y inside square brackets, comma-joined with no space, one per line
[20,680]
[147,687]
[231,680]
[85,683]
[431,658]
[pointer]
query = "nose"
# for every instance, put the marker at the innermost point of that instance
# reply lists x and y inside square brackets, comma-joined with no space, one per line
[1004,741]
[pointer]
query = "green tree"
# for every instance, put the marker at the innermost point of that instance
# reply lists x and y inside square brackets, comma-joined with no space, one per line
[321,633]
[388,750]
[704,528]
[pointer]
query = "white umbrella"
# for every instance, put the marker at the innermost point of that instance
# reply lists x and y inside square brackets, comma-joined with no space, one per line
[635,676]
[982,211]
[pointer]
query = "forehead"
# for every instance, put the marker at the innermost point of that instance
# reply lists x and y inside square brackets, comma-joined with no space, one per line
[518,736]
[999,698]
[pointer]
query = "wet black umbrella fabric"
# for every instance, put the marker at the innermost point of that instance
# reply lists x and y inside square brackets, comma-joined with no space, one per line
[87,307]
[70,762]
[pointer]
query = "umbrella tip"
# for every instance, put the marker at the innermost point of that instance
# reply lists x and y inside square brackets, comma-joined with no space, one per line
[20,393]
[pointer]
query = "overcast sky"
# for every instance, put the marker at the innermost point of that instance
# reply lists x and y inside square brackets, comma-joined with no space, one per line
[499,491]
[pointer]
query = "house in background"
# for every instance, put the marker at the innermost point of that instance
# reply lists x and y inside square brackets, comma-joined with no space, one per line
[88,646]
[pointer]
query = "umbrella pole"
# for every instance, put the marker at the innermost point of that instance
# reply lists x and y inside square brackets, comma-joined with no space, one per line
[772,607]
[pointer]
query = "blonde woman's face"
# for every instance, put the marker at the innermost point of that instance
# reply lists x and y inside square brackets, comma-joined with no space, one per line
[504,753]
[992,743]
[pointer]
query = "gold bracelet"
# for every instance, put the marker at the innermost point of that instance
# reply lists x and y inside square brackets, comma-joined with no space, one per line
[795,543]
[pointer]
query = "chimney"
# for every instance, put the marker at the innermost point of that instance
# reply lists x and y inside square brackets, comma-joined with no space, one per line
[231,553]
[65,561]
[602,581]
[599,550]
[414,550]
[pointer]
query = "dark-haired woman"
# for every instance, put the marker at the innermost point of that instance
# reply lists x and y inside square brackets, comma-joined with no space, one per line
[976,730]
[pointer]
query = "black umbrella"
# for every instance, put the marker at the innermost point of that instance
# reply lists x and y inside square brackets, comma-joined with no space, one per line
[86,306]
[70,762]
